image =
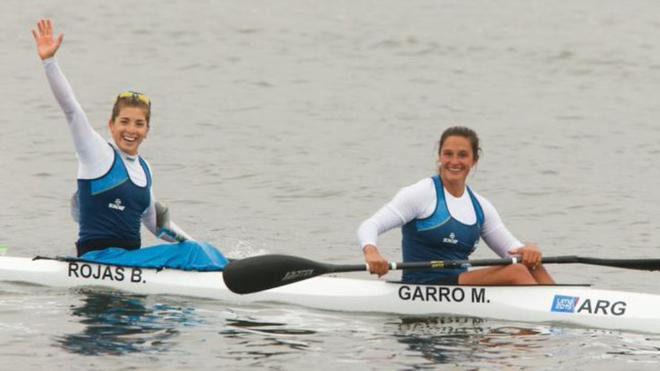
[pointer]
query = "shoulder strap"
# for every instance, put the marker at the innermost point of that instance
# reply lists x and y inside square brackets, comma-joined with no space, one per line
[477,207]
[147,172]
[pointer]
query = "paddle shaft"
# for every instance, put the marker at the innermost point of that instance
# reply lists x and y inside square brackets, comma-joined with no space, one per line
[640,264]
[440,264]
[268,271]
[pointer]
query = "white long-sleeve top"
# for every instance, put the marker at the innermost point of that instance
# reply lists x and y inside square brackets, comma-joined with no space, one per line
[418,201]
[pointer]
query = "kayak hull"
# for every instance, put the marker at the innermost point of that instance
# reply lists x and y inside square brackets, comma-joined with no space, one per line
[571,304]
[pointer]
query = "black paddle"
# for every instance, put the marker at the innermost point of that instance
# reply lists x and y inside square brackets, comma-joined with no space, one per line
[264,272]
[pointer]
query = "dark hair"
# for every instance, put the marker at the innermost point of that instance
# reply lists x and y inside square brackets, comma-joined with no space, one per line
[131,100]
[462,131]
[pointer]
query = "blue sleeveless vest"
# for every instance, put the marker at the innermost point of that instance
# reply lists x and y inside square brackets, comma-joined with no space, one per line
[111,208]
[439,237]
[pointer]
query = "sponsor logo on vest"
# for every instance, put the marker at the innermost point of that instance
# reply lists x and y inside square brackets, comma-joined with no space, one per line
[451,239]
[117,205]
[569,304]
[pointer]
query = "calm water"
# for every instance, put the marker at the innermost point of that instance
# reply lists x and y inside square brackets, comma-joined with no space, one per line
[279,126]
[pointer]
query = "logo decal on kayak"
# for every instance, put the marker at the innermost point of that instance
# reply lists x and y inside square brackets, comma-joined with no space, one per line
[117,205]
[564,304]
[569,304]
[451,239]
[296,275]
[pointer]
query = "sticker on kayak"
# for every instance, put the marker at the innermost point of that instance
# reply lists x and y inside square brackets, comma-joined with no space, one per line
[564,304]
[569,304]
[104,272]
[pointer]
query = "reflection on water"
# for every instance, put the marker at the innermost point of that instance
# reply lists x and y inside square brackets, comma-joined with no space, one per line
[456,339]
[260,339]
[267,327]
[118,323]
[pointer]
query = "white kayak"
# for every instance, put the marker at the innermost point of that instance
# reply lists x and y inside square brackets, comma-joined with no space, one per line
[578,305]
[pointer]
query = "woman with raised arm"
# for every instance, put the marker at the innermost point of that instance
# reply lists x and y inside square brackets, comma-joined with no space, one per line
[114,182]
[443,219]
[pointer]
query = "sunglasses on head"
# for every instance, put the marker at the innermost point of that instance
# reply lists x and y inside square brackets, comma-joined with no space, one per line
[135,96]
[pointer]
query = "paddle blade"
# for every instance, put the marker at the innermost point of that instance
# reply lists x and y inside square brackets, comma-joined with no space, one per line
[264,272]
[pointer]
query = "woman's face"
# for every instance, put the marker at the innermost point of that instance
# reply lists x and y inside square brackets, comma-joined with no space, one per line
[456,159]
[129,129]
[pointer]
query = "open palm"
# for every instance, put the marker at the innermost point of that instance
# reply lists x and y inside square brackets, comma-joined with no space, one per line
[47,45]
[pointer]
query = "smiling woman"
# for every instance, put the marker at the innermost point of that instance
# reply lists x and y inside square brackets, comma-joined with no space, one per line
[441,218]
[114,182]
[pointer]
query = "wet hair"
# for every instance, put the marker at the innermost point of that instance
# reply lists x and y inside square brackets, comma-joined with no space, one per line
[462,131]
[132,100]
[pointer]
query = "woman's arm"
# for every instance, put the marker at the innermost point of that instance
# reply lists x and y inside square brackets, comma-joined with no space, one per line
[411,202]
[157,220]
[415,201]
[494,232]
[384,220]
[502,241]
[94,155]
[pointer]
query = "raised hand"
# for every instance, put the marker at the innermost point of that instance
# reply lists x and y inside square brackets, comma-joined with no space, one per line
[47,45]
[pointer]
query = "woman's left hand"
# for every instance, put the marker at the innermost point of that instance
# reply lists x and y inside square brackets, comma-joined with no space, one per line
[530,255]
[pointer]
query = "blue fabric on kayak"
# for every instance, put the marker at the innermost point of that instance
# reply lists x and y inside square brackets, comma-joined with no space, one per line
[188,255]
